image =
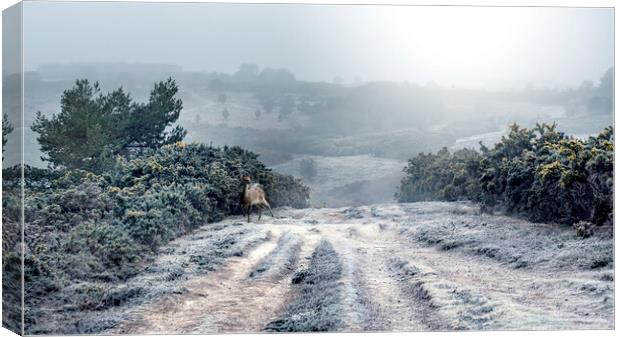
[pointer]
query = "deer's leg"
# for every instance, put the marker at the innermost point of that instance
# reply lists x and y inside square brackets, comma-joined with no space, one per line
[269,208]
[249,211]
[260,211]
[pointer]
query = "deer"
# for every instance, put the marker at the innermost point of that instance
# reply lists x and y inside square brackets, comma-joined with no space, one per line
[253,195]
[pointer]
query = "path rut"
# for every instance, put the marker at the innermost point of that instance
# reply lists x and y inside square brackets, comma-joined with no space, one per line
[389,282]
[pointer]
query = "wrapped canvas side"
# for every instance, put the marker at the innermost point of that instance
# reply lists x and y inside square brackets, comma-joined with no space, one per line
[12,170]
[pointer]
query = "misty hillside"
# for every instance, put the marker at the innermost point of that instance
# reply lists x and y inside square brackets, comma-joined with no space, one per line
[284,119]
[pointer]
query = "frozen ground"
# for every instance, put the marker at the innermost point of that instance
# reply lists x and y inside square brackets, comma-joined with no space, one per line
[387,267]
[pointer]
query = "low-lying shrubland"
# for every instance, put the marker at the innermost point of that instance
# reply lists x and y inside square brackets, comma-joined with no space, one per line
[541,173]
[97,228]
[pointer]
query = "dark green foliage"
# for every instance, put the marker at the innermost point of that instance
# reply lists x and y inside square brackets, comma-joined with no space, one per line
[92,128]
[210,177]
[443,176]
[540,172]
[147,125]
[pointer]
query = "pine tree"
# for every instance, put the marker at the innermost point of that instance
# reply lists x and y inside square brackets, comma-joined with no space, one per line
[92,128]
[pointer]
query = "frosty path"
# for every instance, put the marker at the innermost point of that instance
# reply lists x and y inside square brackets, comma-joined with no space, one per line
[399,267]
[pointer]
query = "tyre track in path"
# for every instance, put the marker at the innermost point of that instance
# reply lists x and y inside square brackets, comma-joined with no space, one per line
[372,299]
[226,300]
[388,282]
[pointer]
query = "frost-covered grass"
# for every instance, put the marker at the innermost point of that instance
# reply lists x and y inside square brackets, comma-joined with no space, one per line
[317,304]
[280,260]
[438,299]
[518,243]
[92,307]
[446,305]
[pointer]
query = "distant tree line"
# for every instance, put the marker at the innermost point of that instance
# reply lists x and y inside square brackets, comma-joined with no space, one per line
[333,105]
[540,173]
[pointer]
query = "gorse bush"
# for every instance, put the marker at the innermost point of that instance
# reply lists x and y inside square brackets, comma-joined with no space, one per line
[540,172]
[90,228]
[209,177]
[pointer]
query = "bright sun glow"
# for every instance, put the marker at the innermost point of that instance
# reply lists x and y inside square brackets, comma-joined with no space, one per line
[459,44]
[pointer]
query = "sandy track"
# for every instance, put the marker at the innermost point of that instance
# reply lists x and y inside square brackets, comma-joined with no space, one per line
[207,299]
[389,281]
[227,300]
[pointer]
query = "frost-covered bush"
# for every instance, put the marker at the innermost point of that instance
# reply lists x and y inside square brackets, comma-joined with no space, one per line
[86,231]
[286,190]
[541,173]
[445,176]
[11,258]
[210,177]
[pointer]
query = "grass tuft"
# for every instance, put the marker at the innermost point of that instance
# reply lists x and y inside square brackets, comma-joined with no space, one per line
[317,306]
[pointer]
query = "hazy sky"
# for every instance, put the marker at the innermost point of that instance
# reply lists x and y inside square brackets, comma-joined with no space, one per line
[463,46]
